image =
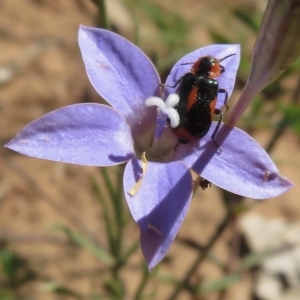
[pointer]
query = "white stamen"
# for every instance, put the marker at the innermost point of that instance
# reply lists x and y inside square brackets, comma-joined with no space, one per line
[173,115]
[167,107]
[172,100]
[156,101]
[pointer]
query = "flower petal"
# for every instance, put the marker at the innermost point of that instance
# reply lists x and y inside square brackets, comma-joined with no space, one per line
[226,80]
[85,134]
[119,71]
[242,166]
[159,206]
[125,77]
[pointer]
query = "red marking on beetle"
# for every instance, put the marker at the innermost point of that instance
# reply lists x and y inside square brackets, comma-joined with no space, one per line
[198,91]
[183,134]
[212,106]
[192,99]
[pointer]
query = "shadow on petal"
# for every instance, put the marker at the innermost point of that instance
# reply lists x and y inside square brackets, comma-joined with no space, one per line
[211,150]
[118,159]
[137,170]
[243,167]
[159,227]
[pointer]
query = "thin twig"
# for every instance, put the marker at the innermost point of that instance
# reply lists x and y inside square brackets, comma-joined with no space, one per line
[195,265]
[102,20]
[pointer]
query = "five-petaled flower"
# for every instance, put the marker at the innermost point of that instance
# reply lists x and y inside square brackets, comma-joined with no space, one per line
[158,188]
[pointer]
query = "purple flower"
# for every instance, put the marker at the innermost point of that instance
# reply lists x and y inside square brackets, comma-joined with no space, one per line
[157,179]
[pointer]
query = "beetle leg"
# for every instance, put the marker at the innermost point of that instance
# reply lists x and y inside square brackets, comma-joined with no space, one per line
[219,113]
[171,86]
[223,91]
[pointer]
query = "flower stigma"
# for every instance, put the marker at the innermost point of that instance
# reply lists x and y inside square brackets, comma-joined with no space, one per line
[167,116]
[167,107]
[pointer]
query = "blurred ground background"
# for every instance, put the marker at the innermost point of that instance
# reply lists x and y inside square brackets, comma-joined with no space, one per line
[41,70]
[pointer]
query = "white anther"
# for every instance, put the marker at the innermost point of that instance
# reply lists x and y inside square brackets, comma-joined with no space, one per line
[156,101]
[167,107]
[172,100]
[173,115]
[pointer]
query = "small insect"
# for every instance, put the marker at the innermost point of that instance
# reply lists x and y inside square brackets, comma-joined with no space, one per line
[198,91]
[204,184]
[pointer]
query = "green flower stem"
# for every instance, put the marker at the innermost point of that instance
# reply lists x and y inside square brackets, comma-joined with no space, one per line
[144,279]
[102,20]
[106,215]
[117,203]
[119,212]
[129,252]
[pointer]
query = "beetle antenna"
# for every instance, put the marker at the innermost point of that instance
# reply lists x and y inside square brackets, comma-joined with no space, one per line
[187,63]
[221,59]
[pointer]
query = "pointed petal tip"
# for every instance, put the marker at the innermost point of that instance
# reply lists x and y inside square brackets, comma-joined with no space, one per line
[160,205]
[243,167]
[82,28]
[14,143]
[125,81]
[11,145]
[276,185]
[75,134]
[150,242]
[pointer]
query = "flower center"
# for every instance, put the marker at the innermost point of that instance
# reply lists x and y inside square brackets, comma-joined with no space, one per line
[167,107]
[162,148]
